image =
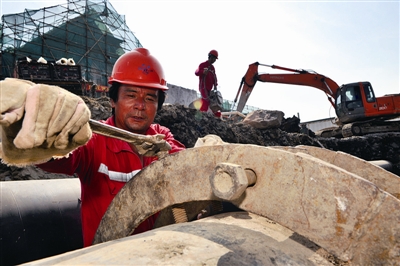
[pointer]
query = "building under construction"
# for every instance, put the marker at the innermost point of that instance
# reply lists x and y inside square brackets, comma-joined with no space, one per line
[75,44]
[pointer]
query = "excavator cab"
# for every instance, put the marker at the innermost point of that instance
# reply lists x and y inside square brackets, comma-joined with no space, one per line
[352,100]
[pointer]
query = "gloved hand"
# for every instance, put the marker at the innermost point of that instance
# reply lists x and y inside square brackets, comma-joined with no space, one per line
[55,122]
[156,147]
[13,95]
[209,140]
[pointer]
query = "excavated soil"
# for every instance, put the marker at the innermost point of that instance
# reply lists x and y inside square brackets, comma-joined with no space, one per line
[188,124]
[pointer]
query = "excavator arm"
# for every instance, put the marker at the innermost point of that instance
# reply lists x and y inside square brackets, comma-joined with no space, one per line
[297,77]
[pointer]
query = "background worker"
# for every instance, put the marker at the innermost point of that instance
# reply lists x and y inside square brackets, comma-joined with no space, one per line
[207,79]
[103,164]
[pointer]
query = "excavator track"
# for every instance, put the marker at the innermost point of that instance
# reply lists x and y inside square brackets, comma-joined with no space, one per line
[370,127]
[333,132]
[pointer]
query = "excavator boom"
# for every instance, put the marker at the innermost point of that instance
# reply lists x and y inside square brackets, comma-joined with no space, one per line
[297,77]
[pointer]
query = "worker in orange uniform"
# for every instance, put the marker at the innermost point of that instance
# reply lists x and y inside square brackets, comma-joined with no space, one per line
[103,164]
[207,80]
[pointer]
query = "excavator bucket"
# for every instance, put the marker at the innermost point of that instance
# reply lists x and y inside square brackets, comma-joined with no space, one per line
[295,202]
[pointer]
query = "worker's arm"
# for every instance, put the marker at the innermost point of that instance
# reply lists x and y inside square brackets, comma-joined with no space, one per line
[40,121]
[202,69]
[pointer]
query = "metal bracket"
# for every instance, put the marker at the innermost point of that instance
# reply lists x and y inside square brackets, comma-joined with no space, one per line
[340,211]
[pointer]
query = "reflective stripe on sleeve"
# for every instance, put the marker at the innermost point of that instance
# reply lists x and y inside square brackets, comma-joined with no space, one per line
[117,176]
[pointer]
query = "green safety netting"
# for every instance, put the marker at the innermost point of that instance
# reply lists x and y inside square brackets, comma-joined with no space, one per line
[92,33]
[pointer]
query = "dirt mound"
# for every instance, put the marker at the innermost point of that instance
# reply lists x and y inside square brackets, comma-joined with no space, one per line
[188,124]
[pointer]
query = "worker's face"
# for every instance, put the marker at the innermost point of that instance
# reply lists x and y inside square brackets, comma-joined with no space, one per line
[135,108]
[211,59]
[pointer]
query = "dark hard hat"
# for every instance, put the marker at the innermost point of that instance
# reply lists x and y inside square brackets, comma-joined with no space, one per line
[214,53]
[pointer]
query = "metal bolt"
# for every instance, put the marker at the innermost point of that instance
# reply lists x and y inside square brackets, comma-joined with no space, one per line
[229,181]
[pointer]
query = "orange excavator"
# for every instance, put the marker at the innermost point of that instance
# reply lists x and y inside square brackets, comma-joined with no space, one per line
[357,109]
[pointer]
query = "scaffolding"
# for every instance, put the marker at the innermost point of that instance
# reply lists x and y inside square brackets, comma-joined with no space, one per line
[91,33]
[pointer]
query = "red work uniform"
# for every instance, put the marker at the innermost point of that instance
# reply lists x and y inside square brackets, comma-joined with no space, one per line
[103,166]
[206,83]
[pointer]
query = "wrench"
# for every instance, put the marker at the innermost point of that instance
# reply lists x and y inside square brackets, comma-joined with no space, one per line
[147,145]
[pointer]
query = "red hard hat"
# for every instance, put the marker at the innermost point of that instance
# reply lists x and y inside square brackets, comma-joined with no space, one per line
[139,68]
[214,53]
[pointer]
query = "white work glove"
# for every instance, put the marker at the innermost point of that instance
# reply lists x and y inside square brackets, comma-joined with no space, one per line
[209,140]
[39,122]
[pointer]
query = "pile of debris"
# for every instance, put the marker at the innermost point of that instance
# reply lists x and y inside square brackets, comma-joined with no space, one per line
[188,124]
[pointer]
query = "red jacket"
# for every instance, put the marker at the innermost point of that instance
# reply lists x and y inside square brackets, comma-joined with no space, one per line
[103,166]
[207,81]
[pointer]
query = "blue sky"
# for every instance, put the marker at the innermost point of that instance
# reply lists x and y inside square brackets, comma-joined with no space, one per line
[348,41]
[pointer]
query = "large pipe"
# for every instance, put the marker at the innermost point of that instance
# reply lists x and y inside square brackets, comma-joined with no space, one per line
[39,218]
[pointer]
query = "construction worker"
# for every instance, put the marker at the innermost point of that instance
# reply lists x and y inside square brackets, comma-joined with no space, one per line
[103,164]
[207,80]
